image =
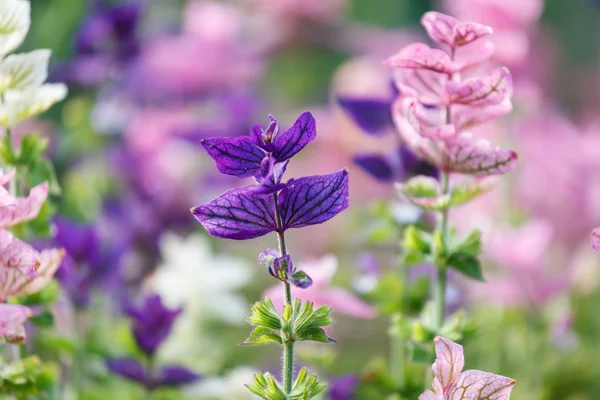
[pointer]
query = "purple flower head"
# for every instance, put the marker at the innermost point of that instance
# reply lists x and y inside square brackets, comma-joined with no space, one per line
[133,370]
[343,387]
[282,268]
[152,323]
[81,241]
[271,206]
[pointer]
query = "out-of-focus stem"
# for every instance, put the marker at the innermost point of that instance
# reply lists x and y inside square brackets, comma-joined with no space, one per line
[288,346]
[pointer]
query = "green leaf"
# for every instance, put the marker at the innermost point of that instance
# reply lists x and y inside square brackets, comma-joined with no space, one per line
[316,335]
[45,319]
[468,190]
[467,264]
[266,387]
[46,296]
[32,149]
[6,153]
[471,245]
[43,171]
[261,335]
[265,314]
[416,240]
[425,192]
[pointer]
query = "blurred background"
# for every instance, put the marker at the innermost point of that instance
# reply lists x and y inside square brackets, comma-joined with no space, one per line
[148,79]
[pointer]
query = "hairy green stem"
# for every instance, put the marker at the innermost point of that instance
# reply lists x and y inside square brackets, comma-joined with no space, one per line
[288,346]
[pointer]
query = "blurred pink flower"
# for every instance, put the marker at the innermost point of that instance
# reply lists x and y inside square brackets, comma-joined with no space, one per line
[297,10]
[209,55]
[451,383]
[12,318]
[512,21]
[524,276]
[595,239]
[340,300]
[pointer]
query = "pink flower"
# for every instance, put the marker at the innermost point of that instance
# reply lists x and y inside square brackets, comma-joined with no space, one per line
[450,383]
[12,318]
[340,300]
[436,105]
[24,270]
[14,210]
[524,277]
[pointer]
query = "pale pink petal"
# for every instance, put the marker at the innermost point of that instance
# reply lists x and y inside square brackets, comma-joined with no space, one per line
[12,318]
[343,302]
[26,208]
[5,177]
[427,86]
[493,89]
[479,385]
[474,54]
[429,395]
[421,56]
[595,239]
[440,27]
[425,148]
[449,362]
[468,155]
[17,254]
[49,262]
[428,121]
[15,283]
[465,117]
[446,29]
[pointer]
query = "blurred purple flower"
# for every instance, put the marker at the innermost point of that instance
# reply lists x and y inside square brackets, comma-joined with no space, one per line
[398,166]
[374,116]
[104,43]
[152,323]
[343,387]
[90,262]
[133,370]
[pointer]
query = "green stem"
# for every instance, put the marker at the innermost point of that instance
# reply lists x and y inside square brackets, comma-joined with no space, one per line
[288,346]
[442,278]
[398,353]
[12,185]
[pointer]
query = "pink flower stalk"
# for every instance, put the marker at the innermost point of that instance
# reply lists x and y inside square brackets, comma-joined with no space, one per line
[436,105]
[12,318]
[450,383]
[340,300]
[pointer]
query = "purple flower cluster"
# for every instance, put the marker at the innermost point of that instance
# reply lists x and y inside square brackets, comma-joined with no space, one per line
[152,324]
[270,205]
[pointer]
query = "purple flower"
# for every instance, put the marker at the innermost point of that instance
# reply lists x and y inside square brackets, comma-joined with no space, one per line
[152,323]
[133,370]
[374,116]
[282,268]
[343,387]
[253,211]
[90,261]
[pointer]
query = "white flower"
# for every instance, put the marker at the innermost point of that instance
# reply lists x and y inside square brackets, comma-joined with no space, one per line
[14,23]
[204,284]
[25,70]
[230,387]
[19,105]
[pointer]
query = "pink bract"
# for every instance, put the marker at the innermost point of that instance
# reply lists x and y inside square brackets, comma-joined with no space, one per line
[451,383]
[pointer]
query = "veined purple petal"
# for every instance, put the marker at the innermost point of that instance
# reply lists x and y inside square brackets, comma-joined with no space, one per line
[301,280]
[290,142]
[173,375]
[378,166]
[238,214]
[235,156]
[314,199]
[371,115]
[128,368]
